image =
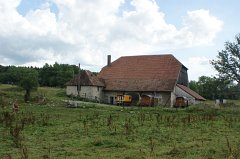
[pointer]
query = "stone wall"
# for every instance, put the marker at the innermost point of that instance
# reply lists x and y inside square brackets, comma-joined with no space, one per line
[71,90]
[164,98]
[88,92]
[94,92]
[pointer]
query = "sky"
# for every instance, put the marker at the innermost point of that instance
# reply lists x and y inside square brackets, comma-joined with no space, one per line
[35,32]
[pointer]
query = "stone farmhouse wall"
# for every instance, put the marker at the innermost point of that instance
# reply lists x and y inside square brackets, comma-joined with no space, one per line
[89,92]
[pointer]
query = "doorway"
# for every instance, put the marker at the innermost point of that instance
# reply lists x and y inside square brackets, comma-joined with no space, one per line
[111,100]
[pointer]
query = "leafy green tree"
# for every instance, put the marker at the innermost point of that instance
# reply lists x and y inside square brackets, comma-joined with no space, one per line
[232,91]
[56,74]
[228,60]
[193,85]
[12,75]
[213,88]
[208,87]
[28,81]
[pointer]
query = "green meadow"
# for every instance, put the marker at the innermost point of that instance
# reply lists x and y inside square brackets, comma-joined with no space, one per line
[45,128]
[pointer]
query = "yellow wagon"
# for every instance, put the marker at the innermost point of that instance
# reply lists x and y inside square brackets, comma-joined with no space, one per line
[124,99]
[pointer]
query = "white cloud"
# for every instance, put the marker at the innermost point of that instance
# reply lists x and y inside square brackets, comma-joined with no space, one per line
[199,66]
[86,31]
[43,22]
[200,27]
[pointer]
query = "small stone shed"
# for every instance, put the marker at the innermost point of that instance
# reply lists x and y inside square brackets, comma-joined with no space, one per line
[191,96]
[90,86]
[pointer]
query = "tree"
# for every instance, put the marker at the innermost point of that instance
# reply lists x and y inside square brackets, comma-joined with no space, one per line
[28,81]
[214,88]
[193,85]
[208,87]
[228,61]
[56,74]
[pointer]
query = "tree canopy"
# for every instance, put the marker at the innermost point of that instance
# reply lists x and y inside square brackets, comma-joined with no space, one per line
[28,81]
[228,60]
[55,75]
[214,88]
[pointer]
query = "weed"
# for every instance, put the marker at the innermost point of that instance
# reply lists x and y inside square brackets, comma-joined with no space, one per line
[24,152]
[127,126]
[85,125]
[16,135]
[173,152]
[3,102]
[152,146]
[110,121]
[27,119]
[158,119]
[8,118]
[44,119]
[98,142]
[48,155]
[141,118]
[6,156]
[232,152]
[41,98]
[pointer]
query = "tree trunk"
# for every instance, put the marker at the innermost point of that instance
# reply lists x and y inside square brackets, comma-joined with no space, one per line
[27,96]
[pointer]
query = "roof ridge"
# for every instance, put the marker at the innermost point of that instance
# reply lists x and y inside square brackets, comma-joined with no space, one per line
[86,78]
[148,55]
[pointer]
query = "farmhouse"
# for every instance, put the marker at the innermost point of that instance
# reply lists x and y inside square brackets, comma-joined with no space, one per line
[148,79]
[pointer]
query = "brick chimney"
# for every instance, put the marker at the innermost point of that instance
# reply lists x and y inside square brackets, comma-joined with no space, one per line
[109,60]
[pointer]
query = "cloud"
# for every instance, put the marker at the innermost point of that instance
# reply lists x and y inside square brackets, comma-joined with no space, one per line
[199,66]
[86,31]
[200,27]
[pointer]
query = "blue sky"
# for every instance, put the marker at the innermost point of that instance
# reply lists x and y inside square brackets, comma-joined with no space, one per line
[73,31]
[27,5]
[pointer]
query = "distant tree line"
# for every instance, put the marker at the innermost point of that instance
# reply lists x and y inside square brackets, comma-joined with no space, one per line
[55,75]
[215,88]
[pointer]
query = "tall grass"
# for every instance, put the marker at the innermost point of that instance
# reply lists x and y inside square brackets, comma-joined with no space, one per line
[49,130]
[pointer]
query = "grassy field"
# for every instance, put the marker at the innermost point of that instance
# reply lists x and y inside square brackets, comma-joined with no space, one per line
[46,129]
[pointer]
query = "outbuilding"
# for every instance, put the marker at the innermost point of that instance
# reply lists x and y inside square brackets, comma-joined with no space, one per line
[86,85]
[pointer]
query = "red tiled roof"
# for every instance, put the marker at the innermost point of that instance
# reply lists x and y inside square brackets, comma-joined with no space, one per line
[142,73]
[191,92]
[87,78]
